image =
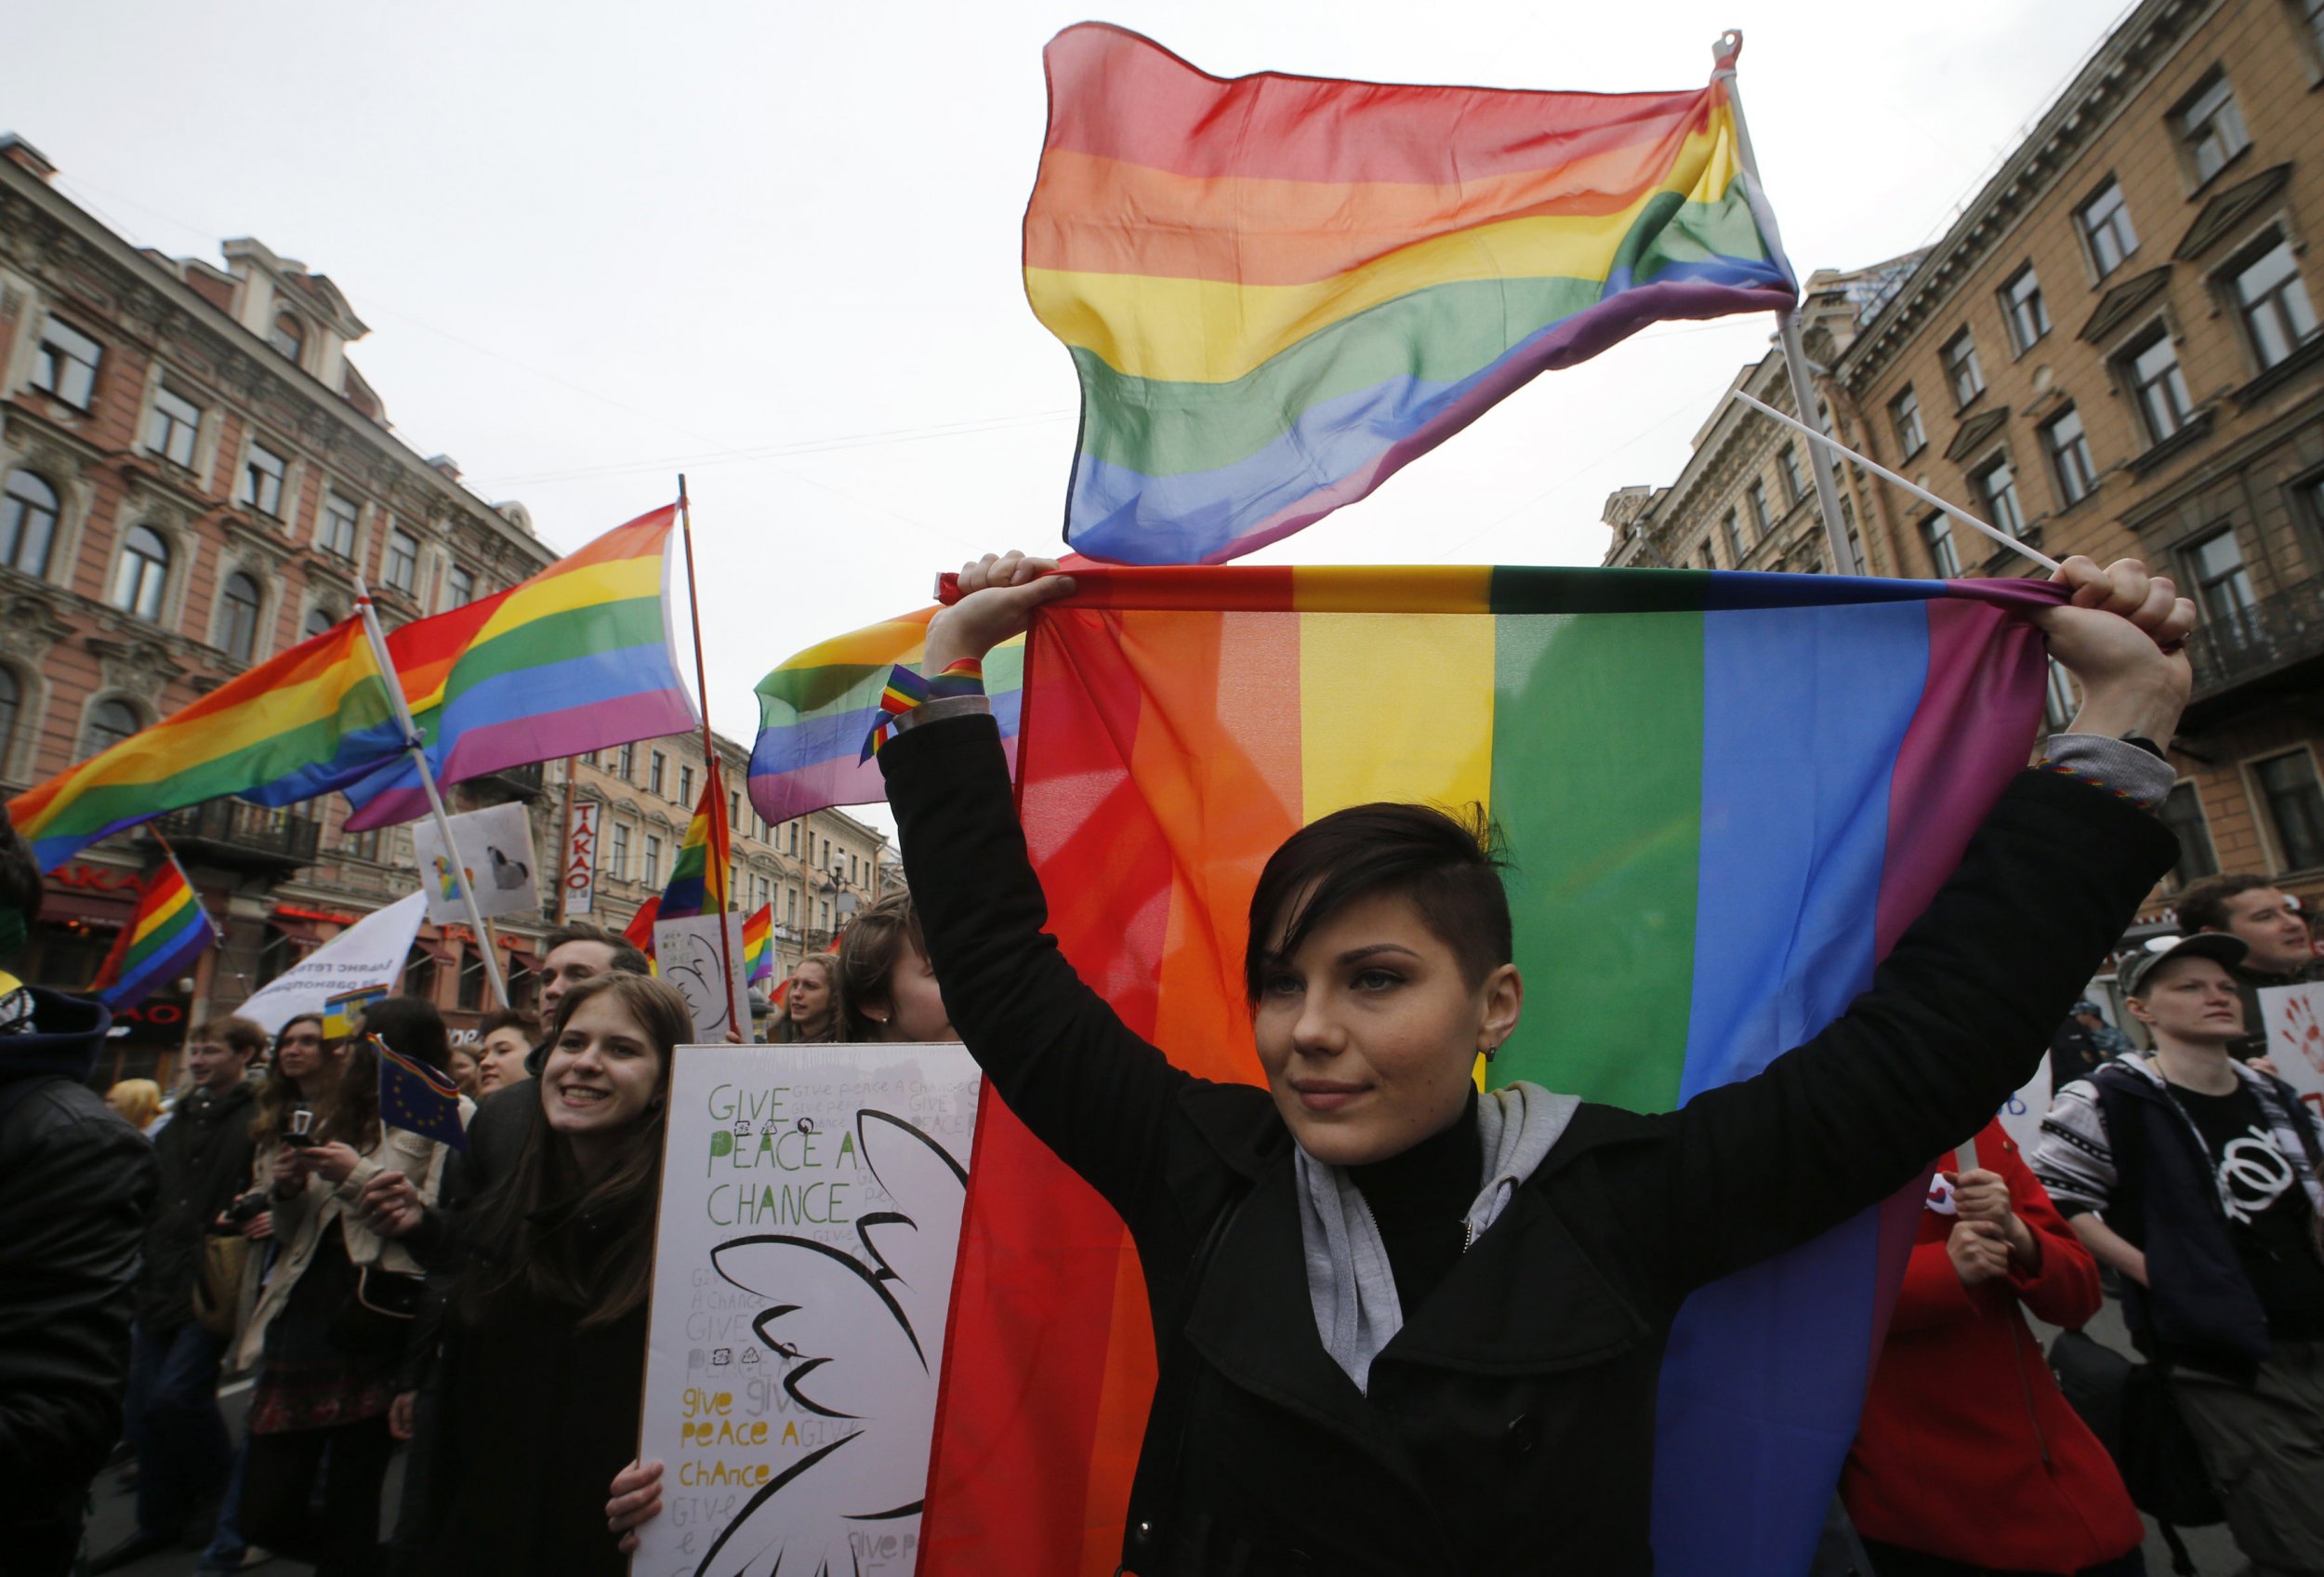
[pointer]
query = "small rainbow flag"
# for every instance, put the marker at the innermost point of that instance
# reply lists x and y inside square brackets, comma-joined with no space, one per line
[758,946]
[315,719]
[417,1098]
[698,876]
[167,932]
[815,710]
[577,659]
[1280,290]
[639,933]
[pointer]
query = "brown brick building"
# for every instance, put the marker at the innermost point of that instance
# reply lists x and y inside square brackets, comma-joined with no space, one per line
[2115,351]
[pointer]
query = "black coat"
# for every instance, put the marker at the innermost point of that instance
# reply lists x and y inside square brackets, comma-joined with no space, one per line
[76,1186]
[1509,1426]
[205,1152]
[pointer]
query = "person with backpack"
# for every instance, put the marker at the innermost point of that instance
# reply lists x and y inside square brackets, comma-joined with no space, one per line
[2195,1177]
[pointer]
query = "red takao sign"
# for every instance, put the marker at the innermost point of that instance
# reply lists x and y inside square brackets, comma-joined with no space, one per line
[578,872]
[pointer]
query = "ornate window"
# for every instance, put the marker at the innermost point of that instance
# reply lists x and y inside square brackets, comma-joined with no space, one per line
[1904,415]
[400,569]
[262,480]
[2210,127]
[2069,448]
[2105,221]
[28,523]
[459,586]
[11,703]
[172,425]
[142,573]
[288,336]
[2021,305]
[1997,486]
[109,724]
[337,536]
[2278,316]
[238,602]
[1963,374]
[66,363]
[319,620]
[1936,534]
[2151,368]
[2295,808]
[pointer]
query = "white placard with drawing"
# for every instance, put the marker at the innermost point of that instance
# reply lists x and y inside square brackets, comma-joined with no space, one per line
[688,953]
[496,849]
[809,1221]
[2294,1017]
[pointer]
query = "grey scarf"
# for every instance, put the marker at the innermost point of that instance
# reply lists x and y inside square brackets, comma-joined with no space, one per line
[1348,1279]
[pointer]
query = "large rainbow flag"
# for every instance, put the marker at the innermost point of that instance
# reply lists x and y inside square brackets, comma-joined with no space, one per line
[313,720]
[1279,290]
[817,708]
[167,932]
[1724,796]
[577,658]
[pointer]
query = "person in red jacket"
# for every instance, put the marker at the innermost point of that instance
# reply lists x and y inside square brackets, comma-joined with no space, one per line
[1968,1460]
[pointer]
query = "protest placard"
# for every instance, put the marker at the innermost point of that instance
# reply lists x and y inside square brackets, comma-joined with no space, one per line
[809,1218]
[688,953]
[2294,1017]
[496,849]
[371,952]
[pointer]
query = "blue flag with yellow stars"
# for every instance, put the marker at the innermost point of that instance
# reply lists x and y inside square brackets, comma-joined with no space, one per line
[418,1099]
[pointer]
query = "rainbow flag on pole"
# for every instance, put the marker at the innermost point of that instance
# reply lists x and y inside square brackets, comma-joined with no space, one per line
[1724,796]
[758,946]
[815,710]
[577,659]
[167,932]
[698,876]
[313,720]
[1279,290]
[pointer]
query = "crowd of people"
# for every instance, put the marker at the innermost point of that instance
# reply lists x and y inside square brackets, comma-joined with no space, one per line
[1367,1362]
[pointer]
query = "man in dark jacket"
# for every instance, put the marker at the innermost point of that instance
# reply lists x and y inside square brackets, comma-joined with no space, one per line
[76,1184]
[205,1153]
[2194,1175]
[2267,921]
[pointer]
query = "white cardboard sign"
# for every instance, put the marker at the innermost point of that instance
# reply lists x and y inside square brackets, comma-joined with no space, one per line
[809,1221]
[2294,1016]
[496,849]
[687,954]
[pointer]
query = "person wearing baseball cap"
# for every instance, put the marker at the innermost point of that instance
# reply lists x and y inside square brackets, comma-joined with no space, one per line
[2194,1175]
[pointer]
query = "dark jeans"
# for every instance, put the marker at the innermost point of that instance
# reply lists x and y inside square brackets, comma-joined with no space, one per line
[1888,1561]
[173,1423]
[341,1538]
[227,1547]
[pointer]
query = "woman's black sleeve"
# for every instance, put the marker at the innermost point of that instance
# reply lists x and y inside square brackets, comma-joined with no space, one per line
[1086,1086]
[1958,1017]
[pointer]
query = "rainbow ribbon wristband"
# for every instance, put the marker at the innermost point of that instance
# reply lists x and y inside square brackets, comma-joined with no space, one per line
[906,689]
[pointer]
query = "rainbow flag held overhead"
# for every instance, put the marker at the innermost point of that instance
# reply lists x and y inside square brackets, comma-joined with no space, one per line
[577,659]
[815,710]
[1279,290]
[1723,795]
[758,946]
[699,874]
[313,720]
[167,933]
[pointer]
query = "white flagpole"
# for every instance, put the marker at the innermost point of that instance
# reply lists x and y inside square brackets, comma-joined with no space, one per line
[1795,361]
[1819,442]
[428,782]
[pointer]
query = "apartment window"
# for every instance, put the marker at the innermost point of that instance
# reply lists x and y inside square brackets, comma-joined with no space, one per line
[419,973]
[2152,371]
[617,853]
[142,573]
[2222,587]
[1734,529]
[459,586]
[262,480]
[66,364]
[2105,223]
[686,785]
[319,621]
[626,764]
[2021,305]
[657,772]
[2069,448]
[109,724]
[1936,535]
[28,523]
[1756,497]
[238,617]
[402,568]
[288,336]
[825,905]
[1997,486]
[791,906]
[172,425]
[2182,812]
[653,860]
[1904,415]
[361,845]
[1794,484]
[338,525]
[2211,128]
[2295,808]
[794,837]
[2274,302]
[1962,375]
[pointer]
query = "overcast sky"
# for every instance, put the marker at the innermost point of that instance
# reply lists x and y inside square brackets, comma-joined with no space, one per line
[777,244]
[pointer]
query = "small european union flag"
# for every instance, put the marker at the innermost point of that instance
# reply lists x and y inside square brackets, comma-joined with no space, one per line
[418,1099]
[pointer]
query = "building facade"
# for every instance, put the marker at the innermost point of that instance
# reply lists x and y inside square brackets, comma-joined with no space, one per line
[2115,351]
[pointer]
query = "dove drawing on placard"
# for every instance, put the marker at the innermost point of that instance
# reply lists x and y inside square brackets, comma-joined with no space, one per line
[862,1335]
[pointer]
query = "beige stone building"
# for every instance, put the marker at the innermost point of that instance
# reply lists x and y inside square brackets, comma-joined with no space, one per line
[2114,350]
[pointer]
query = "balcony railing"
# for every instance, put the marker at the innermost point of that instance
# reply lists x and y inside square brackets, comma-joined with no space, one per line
[238,830]
[2256,642]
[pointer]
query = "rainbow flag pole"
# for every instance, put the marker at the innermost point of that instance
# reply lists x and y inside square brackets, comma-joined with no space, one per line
[419,749]
[702,687]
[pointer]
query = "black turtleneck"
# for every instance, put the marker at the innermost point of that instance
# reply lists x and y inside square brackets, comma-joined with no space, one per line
[1419,1198]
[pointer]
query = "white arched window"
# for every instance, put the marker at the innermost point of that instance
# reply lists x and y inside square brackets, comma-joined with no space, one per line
[28,523]
[142,573]
[238,617]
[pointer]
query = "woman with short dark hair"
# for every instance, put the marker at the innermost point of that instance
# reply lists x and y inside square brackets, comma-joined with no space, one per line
[887,989]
